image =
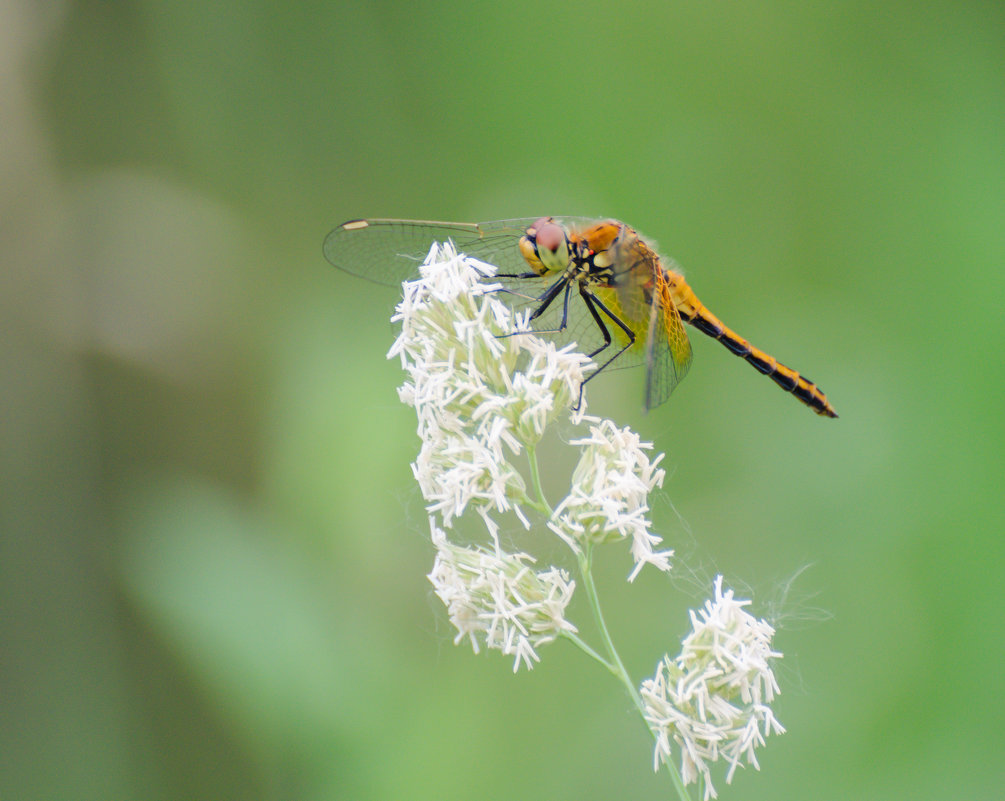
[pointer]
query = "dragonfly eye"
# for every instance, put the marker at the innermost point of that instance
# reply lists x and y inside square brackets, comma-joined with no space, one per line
[551,244]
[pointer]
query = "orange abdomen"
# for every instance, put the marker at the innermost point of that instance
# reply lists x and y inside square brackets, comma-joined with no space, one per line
[693,311]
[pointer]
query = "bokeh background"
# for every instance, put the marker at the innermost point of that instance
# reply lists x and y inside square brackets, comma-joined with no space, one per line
[213,553]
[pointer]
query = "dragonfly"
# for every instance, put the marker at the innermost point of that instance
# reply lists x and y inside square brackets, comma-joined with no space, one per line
[599,284]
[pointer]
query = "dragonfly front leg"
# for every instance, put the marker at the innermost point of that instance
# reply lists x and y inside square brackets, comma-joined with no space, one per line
[544,301]
[516,275]
[549,295]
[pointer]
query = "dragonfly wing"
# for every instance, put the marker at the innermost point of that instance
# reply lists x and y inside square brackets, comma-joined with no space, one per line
[390,251]
[668,350]
[646,303]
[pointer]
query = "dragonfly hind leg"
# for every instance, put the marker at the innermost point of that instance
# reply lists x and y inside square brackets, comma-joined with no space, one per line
[593,303]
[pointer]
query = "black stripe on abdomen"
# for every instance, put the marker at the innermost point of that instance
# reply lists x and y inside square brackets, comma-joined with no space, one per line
[709,328]
[786,382]
[763,367]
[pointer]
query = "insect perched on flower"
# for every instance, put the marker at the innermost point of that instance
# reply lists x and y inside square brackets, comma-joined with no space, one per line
[632,303]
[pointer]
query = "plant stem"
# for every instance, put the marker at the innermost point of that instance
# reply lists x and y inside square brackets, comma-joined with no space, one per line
[585,648]
[586,569]
[535,478]
[614,664]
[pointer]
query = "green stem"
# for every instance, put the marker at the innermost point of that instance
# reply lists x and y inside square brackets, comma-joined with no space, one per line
[586,569]
[614,664]
[535,478]
[525,500]
[585,648]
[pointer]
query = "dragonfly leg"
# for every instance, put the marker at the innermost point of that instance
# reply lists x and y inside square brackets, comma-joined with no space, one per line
[588,300]
[593,303]
[544,301]
[508,291]
[548,296]
[516,275]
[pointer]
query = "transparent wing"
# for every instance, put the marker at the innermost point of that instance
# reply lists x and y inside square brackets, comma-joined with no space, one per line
[668,350]
[646,304]
[388,251]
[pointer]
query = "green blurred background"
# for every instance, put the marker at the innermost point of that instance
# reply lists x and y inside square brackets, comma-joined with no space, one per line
[213,554]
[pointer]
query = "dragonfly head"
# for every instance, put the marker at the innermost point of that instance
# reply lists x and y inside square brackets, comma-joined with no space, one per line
[545,246]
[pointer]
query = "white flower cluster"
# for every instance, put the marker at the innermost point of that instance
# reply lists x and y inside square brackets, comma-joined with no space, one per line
[609,499]
[496,597]
[485,388]
[712,700]
[480,395]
